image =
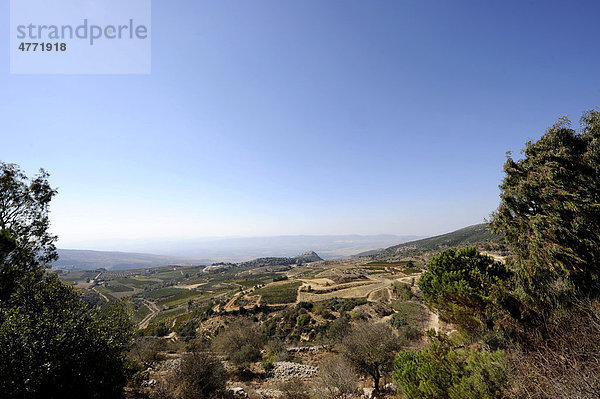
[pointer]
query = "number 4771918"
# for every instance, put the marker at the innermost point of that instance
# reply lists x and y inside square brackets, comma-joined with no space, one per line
[43,47]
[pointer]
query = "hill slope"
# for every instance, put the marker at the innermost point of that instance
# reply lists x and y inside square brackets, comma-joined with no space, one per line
[477,235]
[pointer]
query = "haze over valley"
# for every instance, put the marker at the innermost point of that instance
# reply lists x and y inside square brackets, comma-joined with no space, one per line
[149,253]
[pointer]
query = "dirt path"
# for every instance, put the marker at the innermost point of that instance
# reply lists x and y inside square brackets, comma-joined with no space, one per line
[101,294]
[189,287]
[433,321]
[154,311]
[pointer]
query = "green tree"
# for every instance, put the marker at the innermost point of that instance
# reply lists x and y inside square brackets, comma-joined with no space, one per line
[24,217]
[550,209]
[443,371]
[460,284]
[53,346]
[7,244]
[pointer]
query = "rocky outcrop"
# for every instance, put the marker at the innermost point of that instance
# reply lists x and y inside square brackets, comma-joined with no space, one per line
[307,257]
[268,393]
[169,364]
[284,371]
[368,393]
[307,349]
[238,392]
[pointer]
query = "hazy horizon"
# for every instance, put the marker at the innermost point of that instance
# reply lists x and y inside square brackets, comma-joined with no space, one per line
[246,248]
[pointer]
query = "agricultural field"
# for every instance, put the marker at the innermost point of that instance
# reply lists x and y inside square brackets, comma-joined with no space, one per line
[162,292]
[279,293]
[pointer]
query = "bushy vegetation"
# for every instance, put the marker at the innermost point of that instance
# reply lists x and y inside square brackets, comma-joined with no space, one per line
[402,291]
[52,344]
[542,308]
[337,378]
[442,370]
[201,375]
[340,305]
[462,285]
[241,342]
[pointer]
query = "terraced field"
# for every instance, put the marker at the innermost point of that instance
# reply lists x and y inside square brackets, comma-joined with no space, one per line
[279,293]
[360,291]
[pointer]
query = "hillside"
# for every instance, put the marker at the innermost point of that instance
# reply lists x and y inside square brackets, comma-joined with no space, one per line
[478,235]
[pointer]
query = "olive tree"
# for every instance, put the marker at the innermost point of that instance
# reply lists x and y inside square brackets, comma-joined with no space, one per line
[370,348]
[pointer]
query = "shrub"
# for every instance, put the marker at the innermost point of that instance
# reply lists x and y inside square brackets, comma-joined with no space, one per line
[460,284]
[398,320]
[199,376]
[304,305]
[337,379]
[241,342]
[160,330]
[443,371]
[303,320]
[188,330]
[52,345]
[337,329]
[402,291]
[242,357]
[267,366]
[146,351]
[294,389]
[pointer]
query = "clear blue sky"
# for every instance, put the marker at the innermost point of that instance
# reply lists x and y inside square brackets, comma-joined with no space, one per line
[303,117]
